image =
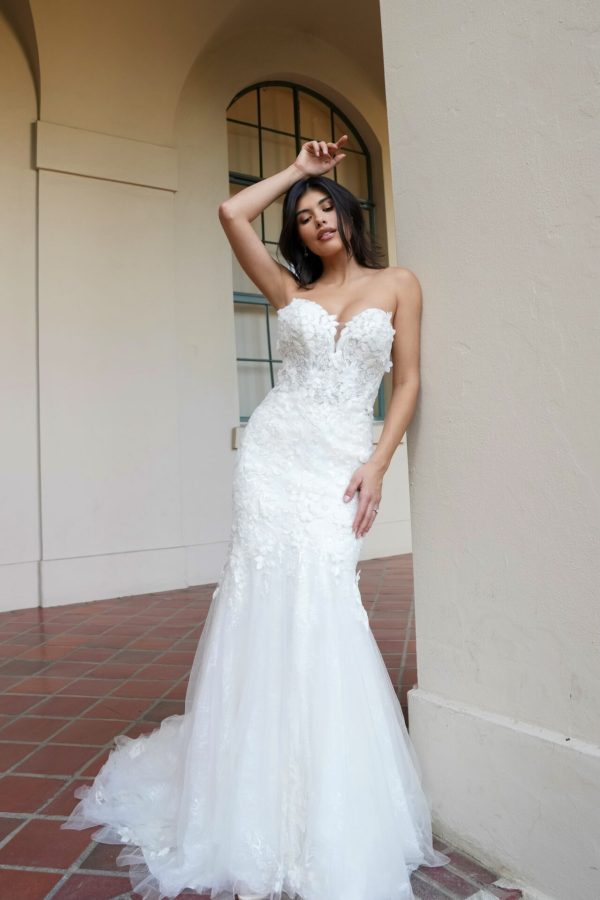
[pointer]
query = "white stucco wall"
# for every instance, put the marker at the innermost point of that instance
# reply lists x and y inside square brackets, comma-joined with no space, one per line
[493,112]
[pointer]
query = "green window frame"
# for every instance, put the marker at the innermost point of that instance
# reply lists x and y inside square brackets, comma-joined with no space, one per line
[266,127]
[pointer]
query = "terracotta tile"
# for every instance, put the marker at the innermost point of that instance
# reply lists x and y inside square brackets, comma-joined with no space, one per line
[12,753]
[9,682]
[63,640]
[115,670]
[106,641]
[138,688]
[64,706]
[127,627]
[103,858]
[56,759]
[8,824]
[90,654]
[122,709]
[13,704]
[444,878]
[176,657]
[69,668]
[425,891]
[31,728]
[21,666]
[88,731]
[140,728]
[10,651]
[36,653]
[89,687]
[40,684]
[48,651]
[41,842]
[177,692]
[162,709]
[471,868]
[135,656]
[162,672]
[96,887]
[25,793]
[28,639]
[24,885]
[64,802]
[151,644]
[96,764]
[390,646]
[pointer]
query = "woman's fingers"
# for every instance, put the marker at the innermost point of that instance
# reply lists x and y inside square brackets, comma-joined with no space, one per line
[365,516]
[326,152]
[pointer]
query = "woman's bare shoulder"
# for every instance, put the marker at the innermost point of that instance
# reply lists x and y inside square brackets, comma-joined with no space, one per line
[407,288]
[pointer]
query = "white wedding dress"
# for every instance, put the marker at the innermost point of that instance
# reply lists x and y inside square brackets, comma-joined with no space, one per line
[291,772]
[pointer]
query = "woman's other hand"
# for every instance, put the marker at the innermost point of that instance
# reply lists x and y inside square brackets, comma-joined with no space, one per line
[367,480]
[319,157]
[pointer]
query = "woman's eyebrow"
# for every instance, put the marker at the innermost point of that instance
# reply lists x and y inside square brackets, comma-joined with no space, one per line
[324,200]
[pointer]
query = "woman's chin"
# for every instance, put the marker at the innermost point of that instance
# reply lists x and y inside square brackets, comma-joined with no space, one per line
[327,248]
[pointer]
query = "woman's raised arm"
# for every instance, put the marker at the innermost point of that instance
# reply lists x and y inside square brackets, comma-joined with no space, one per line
[272,279]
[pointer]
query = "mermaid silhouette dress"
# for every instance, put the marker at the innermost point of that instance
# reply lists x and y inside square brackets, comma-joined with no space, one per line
[291,772]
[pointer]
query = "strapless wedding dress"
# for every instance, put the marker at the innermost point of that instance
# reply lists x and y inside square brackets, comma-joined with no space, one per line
[291,772]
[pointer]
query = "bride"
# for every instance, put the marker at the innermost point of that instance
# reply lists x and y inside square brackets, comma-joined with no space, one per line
[291,772]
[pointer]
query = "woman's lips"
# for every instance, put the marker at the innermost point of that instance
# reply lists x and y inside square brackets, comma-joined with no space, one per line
[327,236]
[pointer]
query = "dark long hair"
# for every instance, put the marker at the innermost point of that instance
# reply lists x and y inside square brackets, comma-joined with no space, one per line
[307,269]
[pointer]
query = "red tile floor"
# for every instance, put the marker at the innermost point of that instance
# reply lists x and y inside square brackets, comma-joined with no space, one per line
[72,677]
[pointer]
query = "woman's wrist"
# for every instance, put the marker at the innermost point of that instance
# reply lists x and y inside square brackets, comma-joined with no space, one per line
[297,172]
[382,464]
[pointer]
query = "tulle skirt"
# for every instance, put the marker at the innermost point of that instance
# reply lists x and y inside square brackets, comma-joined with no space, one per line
[290,774]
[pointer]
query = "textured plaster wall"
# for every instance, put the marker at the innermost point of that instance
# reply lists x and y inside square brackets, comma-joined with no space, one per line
[493,111]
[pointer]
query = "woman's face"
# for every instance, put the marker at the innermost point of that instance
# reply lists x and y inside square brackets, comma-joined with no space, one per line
[317,222]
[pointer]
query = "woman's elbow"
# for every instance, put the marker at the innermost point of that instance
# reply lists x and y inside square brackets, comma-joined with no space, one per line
[225,211]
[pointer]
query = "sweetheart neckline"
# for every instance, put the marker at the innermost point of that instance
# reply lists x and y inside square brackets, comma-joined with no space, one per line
[338,337]
[333,316]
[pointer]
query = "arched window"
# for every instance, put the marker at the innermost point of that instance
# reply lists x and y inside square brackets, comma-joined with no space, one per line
[267,123]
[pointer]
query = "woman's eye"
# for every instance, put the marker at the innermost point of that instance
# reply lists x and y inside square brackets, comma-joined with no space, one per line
[304,221]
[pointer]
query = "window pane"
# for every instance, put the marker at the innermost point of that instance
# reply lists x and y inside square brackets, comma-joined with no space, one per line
[245,109]
[254,382]
[277,108]
[250,330]
[352,174]
[279,151]
[315,120]
[340,128]
[243,149]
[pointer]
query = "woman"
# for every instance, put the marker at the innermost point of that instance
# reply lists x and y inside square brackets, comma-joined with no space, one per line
[291,772]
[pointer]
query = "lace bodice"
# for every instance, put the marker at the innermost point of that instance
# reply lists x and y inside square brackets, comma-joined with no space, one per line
[333,362]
